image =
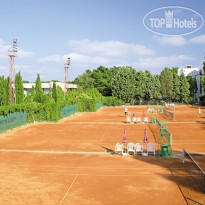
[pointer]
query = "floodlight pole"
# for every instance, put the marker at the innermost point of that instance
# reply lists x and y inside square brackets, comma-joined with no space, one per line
[66,66]
[12,52]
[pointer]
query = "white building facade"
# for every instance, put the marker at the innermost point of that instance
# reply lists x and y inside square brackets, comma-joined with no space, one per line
[48,87]
[193,72]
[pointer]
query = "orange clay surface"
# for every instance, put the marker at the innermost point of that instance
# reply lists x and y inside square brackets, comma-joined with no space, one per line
[72,162]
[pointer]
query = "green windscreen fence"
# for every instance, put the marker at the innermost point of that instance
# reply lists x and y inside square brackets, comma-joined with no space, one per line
[68,110]
[99,105]
[12,120]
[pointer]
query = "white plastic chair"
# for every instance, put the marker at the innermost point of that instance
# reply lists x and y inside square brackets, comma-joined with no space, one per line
[128,120]
[151,148]
[139,120]
[146,119]
[119,147]
[134,120]
[138,148]
[130,148]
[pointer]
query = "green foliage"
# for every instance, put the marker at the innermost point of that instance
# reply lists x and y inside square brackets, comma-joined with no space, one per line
[176,87]
[140,84]
[123,84]
[203,82]
[99,78]
[86,100]
[38,97]
[60,93]
[111,101]
[85,80]
[166,80]
[19,89]
[153,87]
[192,85]
[184,89]
[4,91]
[54,92]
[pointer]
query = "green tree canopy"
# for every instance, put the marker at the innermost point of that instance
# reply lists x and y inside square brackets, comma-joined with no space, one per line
[54,92]
[166,80]
[19,88]
[184,88]
[38,97]
[176,87]
[123,84]
[140,84]
[4,91]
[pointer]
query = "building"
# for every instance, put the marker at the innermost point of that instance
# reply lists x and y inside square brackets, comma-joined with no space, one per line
[48,86]
[193,72]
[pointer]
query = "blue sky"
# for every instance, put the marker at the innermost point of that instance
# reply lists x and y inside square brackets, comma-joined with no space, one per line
[92,33]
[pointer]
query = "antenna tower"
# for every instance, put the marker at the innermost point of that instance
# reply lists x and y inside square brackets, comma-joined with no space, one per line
[12,52]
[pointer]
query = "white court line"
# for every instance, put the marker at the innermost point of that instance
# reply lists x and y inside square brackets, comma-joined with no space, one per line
[104,133]
[51,152]
[68,190]
[101,168]
[96,175]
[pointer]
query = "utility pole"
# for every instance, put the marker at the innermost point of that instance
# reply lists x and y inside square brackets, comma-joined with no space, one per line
[12,52]
[66,66]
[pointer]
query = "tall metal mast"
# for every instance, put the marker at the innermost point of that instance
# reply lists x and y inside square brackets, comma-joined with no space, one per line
[12,52]
[66,66]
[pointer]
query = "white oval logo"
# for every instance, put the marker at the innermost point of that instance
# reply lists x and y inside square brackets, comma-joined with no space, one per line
[173,21]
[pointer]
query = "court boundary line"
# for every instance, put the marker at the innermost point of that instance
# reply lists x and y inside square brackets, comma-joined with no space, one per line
[69,152]
[104,133]
[68,190]
[54,152]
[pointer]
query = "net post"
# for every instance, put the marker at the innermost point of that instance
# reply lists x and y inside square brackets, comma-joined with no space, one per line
[183,156]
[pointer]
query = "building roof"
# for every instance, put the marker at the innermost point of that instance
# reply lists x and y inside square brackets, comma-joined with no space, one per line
[50,85]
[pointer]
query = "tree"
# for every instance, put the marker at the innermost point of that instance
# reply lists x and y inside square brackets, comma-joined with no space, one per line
[184,88]
[54,92]
[157,88]
[85,80]
[192,86]
[38,97]
[140,84]
[149,90]
[102,80]
[123,84]
[4,91]
[176,88]
[19,88]
[166,80]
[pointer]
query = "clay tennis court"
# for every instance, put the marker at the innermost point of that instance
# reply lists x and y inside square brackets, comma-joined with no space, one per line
[72,162]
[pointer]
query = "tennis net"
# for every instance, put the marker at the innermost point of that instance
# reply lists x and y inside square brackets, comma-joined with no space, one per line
[194,169]
[170,106]
[169,114]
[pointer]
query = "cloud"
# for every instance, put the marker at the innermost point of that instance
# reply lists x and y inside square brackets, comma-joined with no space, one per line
[173,41]
[78,59]
[109,48]
[53,58]
[22,54]
[161,62]
[198,39]
[91,54]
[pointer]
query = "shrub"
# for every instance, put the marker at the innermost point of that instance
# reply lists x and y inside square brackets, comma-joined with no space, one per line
[111,101]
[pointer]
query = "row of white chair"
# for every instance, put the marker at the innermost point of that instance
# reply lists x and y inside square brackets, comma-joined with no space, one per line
[134,148]
[137,120]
